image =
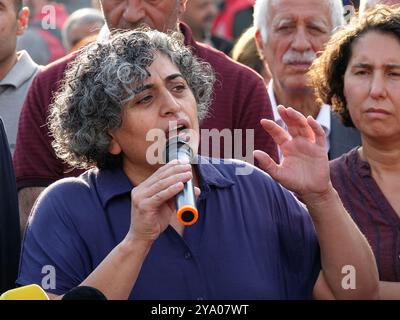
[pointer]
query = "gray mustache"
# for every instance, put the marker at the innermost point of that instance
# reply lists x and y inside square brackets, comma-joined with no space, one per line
[299,57]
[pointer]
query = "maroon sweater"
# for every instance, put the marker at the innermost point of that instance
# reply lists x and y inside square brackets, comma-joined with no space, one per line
[370,210]
[240,101]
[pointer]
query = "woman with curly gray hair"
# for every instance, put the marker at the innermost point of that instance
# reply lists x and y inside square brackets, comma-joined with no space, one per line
[114,228]
[104,82]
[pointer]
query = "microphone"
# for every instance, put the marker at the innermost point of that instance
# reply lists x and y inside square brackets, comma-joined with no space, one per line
[84,293]
[35,292]
[30,292]
[187,214]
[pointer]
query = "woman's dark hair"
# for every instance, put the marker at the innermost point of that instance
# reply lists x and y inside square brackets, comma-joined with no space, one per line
[327,72]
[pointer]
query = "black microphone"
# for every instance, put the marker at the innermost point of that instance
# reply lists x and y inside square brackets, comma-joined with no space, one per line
[84,293]
[187,214]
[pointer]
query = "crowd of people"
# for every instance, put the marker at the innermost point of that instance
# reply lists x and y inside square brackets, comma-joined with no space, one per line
[295,143]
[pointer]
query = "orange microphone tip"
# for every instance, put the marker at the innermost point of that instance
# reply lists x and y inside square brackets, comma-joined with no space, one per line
[187,215]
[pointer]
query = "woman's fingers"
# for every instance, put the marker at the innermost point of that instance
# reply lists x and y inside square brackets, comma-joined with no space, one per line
[167,182]
[171,168]
[318,131]
[266,163]
[163,196]
[296,123]
[277,133]
[197,192]
[163,185]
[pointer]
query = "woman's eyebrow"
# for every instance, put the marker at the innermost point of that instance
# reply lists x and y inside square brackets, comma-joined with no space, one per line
[174,76]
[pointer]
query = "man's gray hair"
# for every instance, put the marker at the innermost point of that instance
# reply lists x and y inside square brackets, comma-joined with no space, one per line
[262,7]
[100,82]
[85,16]
[365,5]
[368,4]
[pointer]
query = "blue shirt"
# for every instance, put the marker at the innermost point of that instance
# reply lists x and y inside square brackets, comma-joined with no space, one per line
[253,239]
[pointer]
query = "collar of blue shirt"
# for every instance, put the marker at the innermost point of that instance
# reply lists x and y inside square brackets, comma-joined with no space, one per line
[113,183]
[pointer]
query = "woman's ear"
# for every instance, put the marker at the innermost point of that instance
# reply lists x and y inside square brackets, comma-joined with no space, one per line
[114,147]
[23,20]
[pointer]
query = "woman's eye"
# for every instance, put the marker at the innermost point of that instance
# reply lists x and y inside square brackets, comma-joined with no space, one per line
[145,99]
[179,88]
[360,72]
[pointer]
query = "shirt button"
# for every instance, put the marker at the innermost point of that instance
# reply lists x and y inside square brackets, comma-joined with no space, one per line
[188,255]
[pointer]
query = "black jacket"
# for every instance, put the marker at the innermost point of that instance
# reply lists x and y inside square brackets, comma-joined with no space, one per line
[9,218]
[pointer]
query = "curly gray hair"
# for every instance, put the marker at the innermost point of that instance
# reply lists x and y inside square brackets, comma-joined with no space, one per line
[102,79]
